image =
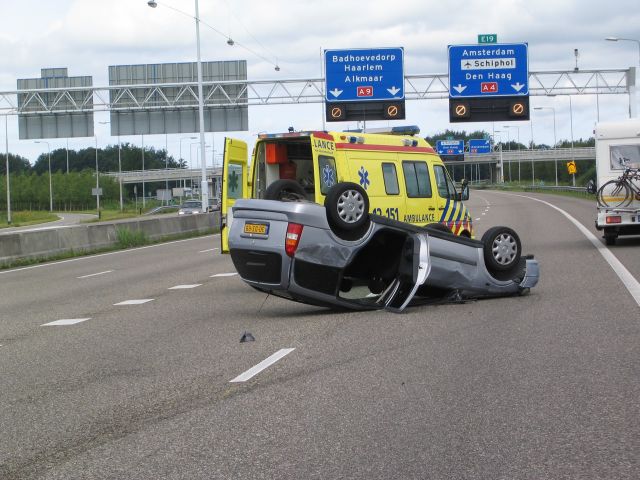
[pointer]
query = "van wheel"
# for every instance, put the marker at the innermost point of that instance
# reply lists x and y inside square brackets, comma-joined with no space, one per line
[347,206]
[502,249]
[438,227]
[288,190]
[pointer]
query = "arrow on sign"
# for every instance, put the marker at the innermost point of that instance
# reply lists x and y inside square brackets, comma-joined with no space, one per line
[459,88]
[393,90]
[335,92]
[518,86]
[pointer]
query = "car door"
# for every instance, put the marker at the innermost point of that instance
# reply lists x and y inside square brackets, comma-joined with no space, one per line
[414,268]
[234,185]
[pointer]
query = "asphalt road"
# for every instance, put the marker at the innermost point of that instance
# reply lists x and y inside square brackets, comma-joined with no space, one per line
[545,386]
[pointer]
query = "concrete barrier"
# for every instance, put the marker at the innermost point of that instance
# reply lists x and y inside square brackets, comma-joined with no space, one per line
[93,236]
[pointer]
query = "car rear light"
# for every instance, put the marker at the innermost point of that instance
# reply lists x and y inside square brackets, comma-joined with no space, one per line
[614,219]
[294,232]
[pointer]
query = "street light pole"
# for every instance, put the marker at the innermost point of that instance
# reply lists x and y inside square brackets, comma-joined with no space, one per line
[555,139]
[632,88]
[571,122]
[204,187]
[6,140]
[50,189]
[97,181]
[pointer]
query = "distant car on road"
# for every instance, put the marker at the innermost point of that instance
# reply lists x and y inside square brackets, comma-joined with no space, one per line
[191,207]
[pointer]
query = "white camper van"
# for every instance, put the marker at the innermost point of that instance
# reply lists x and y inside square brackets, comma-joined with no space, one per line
[618,171]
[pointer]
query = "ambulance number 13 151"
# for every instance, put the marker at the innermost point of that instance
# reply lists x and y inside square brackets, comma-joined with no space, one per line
[391,213]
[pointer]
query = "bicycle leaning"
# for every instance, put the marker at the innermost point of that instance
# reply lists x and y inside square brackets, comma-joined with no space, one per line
[621,191]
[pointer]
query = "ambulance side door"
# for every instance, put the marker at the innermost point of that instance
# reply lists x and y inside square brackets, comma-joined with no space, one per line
[451,212]
[234,185]
[421,206]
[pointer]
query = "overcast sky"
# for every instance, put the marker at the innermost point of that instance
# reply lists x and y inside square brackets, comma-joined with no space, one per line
[86,36]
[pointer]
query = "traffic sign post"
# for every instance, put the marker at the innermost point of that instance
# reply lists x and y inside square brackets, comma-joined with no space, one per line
[487,38]
[364,84]
[499,69]
[450,149]
[488,82]
[479,146]
[364,74]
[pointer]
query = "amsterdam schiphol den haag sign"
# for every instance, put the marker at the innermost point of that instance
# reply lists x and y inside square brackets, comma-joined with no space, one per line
[488,70]
[364,74]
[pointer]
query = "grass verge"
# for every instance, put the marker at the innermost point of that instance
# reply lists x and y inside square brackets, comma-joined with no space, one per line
[24,218]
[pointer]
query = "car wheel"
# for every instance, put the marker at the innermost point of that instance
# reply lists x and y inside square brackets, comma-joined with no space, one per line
[285,190]
[347,206]
[502,248]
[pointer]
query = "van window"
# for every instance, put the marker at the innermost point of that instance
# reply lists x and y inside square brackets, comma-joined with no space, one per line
[259,185]
[624,156]
[327,169]
[441,181]
[390,179]
[416,178]
[234,181]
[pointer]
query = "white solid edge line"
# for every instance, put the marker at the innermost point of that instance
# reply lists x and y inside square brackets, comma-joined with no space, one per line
[95,274]
[616,265]
[65,321]
[86,257]
[267,362]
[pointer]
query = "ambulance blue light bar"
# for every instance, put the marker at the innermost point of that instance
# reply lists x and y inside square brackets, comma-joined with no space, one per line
[400,130]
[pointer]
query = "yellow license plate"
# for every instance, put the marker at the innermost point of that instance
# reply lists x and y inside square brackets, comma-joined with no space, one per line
[256,228]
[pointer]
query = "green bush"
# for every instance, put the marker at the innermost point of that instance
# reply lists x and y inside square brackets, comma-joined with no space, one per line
[131,238]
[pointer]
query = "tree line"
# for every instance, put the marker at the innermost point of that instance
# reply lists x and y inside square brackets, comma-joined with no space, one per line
[73,191]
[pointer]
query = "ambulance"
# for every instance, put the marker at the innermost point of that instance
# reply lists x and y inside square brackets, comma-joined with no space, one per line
[387,172]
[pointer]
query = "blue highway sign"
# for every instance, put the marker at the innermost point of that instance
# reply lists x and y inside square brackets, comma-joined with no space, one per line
[364,74]
[479,146]
[450,147]
[488,70]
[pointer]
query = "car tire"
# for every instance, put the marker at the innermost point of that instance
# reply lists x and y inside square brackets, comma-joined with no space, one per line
[285,190]
[502,249]
[347,206]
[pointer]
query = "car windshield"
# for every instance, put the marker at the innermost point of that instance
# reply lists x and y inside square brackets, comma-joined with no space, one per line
[191,204]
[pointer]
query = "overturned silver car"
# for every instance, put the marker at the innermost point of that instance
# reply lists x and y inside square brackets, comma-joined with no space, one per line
[290,249]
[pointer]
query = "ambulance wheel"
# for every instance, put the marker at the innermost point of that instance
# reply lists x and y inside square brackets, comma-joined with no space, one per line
[288,190]
[438,227]
[502,249]
[347,206]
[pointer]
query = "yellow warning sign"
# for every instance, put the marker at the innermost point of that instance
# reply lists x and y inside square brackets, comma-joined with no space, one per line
[571,167]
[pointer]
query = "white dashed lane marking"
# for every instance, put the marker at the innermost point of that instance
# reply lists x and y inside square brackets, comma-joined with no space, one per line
[65,321]
[209,250]
[224,275]
[135,302]
[184,287]
[95,274]
[267,362]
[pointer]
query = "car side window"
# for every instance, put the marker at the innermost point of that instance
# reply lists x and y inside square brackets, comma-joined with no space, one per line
[416,178]
[390,179]
[441,181]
